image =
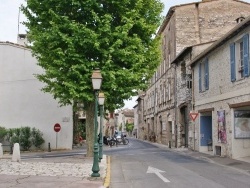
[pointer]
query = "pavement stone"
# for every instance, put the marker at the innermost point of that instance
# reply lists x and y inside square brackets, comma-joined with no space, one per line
[68,172]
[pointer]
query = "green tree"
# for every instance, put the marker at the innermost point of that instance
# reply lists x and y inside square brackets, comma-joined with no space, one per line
[129,127]
[70,38]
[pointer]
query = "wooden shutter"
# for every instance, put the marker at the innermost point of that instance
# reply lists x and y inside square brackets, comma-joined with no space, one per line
[232,62]
[246,54]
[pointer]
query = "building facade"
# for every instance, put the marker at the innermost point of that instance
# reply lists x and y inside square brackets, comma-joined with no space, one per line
[24,104]
[166,103]
[222,94]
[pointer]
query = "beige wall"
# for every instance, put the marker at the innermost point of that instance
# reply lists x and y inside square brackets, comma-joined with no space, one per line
[221,93]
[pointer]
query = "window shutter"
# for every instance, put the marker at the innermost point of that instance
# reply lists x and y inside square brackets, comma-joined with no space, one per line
[206,74]
[232,62]
[246,54]
[200,86]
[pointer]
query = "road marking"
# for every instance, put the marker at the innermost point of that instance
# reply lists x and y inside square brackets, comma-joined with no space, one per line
[157,172]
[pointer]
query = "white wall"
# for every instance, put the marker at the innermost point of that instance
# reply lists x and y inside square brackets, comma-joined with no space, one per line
[22,103]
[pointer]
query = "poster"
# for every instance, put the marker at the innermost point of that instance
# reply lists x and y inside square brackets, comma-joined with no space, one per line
[222,134]
[242,124]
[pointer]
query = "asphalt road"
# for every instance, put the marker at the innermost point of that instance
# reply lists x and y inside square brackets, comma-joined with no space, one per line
[143,165]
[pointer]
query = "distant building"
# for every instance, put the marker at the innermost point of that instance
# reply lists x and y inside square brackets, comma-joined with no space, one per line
[123,117]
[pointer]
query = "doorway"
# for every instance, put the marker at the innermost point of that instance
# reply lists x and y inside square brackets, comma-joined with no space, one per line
[205,132]
[184,119]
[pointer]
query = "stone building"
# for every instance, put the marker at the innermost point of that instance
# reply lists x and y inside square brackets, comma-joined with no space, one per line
[221,94]
[184,77]
[184,26]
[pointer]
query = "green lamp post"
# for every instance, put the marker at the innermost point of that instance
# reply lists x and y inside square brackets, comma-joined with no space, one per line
[96,82]
[101,99]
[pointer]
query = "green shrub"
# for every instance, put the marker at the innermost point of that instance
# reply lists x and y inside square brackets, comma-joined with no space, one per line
[37,137]
[14,135]
[3,133]
[25,138]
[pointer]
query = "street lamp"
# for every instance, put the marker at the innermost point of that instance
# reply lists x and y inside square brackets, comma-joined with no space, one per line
[96,82]
[101,99]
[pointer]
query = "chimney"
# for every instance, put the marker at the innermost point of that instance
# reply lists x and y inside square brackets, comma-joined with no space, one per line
[22,39]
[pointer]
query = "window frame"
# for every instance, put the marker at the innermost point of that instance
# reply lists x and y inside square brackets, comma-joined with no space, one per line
[239,58]
[204,75]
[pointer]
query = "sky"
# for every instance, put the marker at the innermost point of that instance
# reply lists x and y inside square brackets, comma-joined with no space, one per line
[9,11]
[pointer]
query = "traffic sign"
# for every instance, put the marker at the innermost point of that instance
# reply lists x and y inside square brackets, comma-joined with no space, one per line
[193,115]
[57,127]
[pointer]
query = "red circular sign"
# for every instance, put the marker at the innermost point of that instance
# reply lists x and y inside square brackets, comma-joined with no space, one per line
[57,127]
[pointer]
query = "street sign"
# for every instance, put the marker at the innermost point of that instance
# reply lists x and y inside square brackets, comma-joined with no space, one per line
[57,127]
[193,115]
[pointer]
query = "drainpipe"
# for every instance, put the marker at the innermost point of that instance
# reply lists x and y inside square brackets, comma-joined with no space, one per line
[193,103]
[175,105]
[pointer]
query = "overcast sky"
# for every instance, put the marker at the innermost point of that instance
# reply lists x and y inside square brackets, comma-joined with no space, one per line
[9,10]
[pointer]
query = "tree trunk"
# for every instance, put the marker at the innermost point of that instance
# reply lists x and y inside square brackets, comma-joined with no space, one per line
[90,129]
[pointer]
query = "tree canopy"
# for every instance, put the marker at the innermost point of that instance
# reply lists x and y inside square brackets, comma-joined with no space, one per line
[70,38]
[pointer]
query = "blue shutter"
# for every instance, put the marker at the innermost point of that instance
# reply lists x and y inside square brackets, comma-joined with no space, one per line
[246,54]
[200,86]
[232,62]
[206,74]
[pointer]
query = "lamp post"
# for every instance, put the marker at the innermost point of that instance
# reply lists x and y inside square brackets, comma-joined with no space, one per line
[96,82]
[101,99]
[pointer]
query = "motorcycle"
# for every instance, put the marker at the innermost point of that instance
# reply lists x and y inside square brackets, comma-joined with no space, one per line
[121,139]
[110,141]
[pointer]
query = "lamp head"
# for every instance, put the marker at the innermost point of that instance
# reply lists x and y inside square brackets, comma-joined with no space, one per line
[96,79]
[101,99]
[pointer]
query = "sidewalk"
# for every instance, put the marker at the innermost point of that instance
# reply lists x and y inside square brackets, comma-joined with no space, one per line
[241,164]
[64,172]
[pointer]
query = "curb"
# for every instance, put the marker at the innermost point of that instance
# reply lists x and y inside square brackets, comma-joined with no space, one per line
[107,178]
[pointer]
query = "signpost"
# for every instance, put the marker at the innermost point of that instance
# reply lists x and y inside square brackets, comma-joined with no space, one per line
[57,128]
[193,116]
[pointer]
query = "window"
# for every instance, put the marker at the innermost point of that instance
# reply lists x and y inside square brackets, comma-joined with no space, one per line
[239,58]
[168,92]
[189,80]
[203,76]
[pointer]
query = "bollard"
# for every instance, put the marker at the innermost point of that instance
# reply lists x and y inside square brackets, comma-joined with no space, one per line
[169,144]
[16,153]
[49,149]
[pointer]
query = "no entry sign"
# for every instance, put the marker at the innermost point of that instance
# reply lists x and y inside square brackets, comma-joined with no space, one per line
[57,127]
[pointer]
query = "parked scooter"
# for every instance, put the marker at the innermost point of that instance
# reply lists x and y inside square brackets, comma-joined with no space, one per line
[121,139]
[110,141]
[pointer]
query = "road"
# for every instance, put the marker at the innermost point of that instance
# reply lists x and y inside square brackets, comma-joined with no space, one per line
[143,165]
